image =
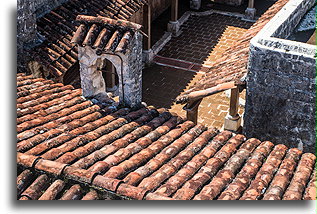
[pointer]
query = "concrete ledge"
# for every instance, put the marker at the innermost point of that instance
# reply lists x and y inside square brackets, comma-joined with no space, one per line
[282,25]
[232,123]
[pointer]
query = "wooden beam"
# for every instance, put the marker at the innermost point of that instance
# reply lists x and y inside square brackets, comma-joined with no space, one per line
[147,26]
[196,95]
[174,10]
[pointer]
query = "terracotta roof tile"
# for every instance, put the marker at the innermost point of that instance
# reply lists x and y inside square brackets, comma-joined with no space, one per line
[53,190]
[232,66]
[24,180]
[104,34]
[74,193]
[300,178]
[36,186]
[310,192]
[285,172]
[146,154]
[247,173]
[265,174]
[33,192]
[226,175]
[91,195]
[57,53]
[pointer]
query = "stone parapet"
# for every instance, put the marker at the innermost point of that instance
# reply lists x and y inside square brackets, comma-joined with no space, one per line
[281,88]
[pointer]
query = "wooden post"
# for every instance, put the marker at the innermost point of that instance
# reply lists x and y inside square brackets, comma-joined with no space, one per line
[174,12]
[233,119]
[192,110]
[147,26]
[251,4]
[250,12]
[234,102]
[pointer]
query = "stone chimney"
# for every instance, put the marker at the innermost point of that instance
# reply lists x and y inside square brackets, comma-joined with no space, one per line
[102,41]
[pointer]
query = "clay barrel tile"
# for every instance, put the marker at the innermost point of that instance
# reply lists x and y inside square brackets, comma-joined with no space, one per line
[301,177]
[310,192]
[23,180]
[123,44]
[77,174]
[90,159]
[283,175]
[24,198]
[113,41]
[224,176]
[100,167]
[91,35]
[153,196]
[59,25]
[35,190]
[80,34]
[210,168]
[131,191]
[106,183]
[91,195]
[168,169]
[52,167]
[145,154]
[170,151]
[26,160]
[192,166]
[266,173]
[248,172]
[102,39]
[73,193]
[52,191]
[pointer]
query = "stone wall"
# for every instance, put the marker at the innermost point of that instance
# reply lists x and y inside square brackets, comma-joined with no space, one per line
[281,87]
[132,73]
[26,29]
[128,67]
[27,13]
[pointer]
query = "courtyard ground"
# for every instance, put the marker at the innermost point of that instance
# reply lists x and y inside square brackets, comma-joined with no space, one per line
[184,60]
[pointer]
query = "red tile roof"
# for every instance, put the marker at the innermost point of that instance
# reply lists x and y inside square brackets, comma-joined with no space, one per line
[232,66]
[104,34]
[57,53]
[144,153]
[37,186]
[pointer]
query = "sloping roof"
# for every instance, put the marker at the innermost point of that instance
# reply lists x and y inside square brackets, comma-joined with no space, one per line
[36,186]
[148,153]
[232,66]
[104,34]
[57,53]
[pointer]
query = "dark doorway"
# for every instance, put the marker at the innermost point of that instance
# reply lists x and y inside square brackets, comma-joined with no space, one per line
[110,76]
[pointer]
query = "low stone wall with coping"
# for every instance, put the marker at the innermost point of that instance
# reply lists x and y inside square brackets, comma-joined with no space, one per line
[281,87]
